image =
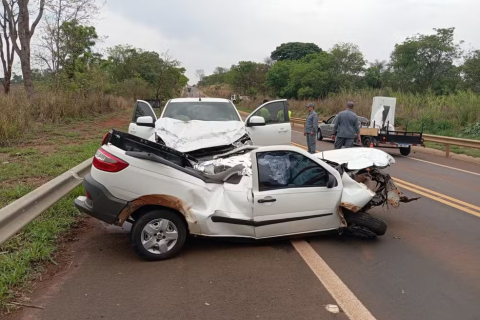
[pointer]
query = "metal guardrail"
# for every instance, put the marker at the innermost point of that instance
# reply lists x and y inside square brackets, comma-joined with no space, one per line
[447,141]
[15,216]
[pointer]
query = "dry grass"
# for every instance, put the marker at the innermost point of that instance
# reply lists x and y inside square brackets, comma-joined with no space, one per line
[19,116]
[218,91]
[442,115]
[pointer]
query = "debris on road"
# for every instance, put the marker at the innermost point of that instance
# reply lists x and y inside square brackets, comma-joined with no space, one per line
[333,308]
[26,305]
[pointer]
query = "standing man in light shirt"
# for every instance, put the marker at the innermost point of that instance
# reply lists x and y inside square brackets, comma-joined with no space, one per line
[347,128]
[311,127]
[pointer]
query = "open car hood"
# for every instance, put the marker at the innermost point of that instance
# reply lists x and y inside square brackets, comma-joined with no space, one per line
[187,136]
[358,158]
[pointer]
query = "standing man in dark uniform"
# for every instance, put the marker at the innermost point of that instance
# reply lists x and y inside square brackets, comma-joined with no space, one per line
[347,128]
[311,127]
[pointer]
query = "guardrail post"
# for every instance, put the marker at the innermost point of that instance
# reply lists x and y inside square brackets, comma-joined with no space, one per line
[447,150]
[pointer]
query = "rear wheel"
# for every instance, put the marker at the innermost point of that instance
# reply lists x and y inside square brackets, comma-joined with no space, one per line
[405,151]
[364,223]
[319,135]
[366,142]
[158,235]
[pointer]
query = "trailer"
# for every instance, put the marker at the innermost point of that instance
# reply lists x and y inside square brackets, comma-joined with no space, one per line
[380,130]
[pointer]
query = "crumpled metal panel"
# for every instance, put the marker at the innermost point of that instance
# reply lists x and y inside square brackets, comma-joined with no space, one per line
[186,136]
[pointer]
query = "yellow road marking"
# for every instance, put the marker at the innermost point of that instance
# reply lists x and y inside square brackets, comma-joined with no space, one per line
[454,203]
[348,302]
[398,181]
[448,203]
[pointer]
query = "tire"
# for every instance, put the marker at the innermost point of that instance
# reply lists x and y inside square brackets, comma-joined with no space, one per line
[366,142]
[365,220]
[166,225]
[405,151]
[319,135]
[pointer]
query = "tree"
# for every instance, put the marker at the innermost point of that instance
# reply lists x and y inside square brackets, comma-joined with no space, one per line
[269,61]
[426,62]
[312,77]
[200,73]
[278,77]
[17,79]
[294,51]
[349,63]
[23,32]
[161,74]
[76,48]
[471,71]
[7,52]
[52,50]
[248,77]
[374,75]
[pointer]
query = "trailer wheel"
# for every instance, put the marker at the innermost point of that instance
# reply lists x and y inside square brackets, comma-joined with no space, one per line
[405,151]
[366,142]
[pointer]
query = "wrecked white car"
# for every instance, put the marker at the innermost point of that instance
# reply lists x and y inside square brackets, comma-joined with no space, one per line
[250,192]
[203,127]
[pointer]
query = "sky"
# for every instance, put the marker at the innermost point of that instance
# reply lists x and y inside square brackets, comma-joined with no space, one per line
[204,34]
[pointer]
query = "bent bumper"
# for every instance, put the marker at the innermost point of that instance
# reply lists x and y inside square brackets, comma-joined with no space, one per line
[102,204]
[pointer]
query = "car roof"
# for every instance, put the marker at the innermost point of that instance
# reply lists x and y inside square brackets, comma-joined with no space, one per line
[197,100]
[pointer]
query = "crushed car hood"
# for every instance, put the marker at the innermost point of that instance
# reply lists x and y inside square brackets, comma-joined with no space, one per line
[358,158]
[187,136]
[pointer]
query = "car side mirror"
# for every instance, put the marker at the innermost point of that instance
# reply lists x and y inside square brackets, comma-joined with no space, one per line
[332,181]
[146,121]
[256,121]
[323,121]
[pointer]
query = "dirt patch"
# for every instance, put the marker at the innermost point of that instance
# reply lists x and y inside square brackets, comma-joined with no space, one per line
[30,181]
[48,277]
[114,123]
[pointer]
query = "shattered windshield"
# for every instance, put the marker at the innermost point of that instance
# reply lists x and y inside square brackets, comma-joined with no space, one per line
[200,110]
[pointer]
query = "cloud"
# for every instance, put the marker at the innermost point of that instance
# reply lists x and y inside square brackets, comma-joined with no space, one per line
[209,33]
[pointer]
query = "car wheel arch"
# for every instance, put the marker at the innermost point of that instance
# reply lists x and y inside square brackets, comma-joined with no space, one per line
[142,205]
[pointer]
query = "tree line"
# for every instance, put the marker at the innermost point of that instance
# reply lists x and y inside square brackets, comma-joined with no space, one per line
[55,44]
[422,63]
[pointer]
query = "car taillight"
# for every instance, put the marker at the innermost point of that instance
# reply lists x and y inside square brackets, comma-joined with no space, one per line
[106,162]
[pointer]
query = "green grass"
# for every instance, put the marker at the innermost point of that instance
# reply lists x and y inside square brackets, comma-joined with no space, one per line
[23,255]
[45,153]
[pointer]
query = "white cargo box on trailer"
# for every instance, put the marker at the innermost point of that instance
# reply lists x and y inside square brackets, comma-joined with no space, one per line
[383,113]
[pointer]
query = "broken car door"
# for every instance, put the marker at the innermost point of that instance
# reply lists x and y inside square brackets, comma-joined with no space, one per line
[293,193]
[141,128]
[275,129]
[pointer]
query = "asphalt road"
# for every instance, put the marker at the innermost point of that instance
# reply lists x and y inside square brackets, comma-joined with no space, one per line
[427,266]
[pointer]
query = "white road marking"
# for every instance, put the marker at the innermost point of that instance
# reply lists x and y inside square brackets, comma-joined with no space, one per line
[345,298]
[441,165]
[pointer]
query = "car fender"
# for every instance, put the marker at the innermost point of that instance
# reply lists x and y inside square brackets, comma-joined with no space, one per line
[161,200]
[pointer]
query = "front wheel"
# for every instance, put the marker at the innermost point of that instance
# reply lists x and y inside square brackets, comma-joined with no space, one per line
[158,235]
[364,223]
[405,151]
[319,135]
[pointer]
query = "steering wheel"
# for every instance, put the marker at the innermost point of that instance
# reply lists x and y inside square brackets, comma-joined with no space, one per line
[303,170]
[312,180]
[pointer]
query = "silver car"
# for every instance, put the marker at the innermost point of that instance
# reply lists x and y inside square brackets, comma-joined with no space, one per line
[325,128]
